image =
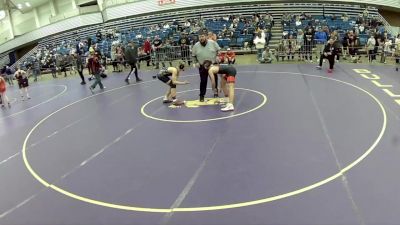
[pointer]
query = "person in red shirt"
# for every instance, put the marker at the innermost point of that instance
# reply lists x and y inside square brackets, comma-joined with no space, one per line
[221,57]
[147,50]
[4,98]
[231,56]
[96,69]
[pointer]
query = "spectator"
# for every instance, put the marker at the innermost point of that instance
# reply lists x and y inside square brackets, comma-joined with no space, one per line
[147,50]
[230,56]
[221,57]
[397,51]
[4,99]
[266,56]
[370,48]
[320,39]
[259,42]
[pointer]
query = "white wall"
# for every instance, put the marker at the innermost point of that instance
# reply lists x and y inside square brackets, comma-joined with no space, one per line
[23,22]
[5,33]
[44,14]
[58,27]
[115,10]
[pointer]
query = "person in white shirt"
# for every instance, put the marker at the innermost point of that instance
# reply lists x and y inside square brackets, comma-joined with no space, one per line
[386,49]
[370,47]
[259,42]
[361,29]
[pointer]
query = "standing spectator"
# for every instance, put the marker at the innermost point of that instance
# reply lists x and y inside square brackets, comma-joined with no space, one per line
[131,55]
[9,75]
[397,51]
[79,67]
[300,44]
[36,69]
[259,42]
[370,48]
[308,44]
[95,68]
[212,36]
[3,88]
[185,49]
[147,50]
[320,39]
[204,50]
[157,46]
[119,54]
[290,45]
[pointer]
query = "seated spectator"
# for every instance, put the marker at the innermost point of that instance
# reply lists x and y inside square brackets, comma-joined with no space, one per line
[221,57]
[361,29]
[365,13]
[231,56]
[345,18]
[298,22]
[266,56]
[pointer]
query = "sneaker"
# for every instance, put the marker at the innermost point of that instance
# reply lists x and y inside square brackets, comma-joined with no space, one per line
[319,67]
[138,80]
[201,99]
[127,81]
[228,107]
[329,71]
[166,100]
[83,82]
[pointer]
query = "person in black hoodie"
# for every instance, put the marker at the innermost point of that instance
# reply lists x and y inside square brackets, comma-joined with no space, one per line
[131,56]
[329,53]
[308,43]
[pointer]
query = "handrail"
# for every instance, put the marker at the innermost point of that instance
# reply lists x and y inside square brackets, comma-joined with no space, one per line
[388,27]
[28,54]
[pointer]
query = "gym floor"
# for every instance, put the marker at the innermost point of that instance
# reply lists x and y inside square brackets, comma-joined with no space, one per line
[301,147]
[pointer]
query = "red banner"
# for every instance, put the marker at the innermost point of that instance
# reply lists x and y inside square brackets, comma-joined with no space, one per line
[164,2]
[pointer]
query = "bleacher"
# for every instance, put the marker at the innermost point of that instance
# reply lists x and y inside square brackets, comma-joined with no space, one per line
[130,27]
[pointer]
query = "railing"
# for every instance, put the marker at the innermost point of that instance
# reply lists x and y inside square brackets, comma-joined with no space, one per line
[23,58]
[388,27]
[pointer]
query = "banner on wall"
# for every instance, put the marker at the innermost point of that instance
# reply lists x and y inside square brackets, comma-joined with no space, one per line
[165,2]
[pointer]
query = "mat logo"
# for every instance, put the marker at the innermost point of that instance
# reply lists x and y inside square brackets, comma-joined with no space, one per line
[375,79]
[197,103]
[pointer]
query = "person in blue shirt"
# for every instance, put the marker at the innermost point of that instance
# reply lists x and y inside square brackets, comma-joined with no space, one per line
[320,40]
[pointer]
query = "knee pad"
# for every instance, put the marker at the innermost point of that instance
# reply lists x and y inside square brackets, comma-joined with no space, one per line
[230,79]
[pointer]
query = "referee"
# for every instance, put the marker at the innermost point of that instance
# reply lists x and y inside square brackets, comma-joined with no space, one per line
[204,50]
